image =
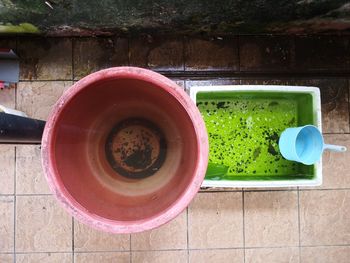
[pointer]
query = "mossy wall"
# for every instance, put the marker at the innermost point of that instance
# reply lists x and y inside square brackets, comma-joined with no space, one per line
[103,17]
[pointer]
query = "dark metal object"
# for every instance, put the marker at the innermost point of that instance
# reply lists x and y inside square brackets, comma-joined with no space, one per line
[9,67]
[20,130]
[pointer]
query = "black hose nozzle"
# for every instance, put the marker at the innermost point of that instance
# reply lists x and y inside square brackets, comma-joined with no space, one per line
[20,130]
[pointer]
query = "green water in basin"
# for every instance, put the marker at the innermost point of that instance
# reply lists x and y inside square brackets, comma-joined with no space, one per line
[244,129]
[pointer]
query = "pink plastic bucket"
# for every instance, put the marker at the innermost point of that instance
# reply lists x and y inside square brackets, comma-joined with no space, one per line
[125,150]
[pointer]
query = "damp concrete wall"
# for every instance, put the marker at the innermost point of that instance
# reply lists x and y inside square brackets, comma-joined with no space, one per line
[212,17]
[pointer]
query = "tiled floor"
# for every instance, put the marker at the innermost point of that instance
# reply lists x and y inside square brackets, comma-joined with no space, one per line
[222,225]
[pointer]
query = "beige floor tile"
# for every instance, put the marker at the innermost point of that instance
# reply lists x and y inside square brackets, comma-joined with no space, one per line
[6,223]
[172,235]
[7,172]
[45,258]
[213,54]
[325,217]
[7,159]
[217,256]
[6,258]
[89,239]
[264,189]
[179,82]
[335,103]
[157,53]
[220,189]
[325,254]
[336,168]
[42,225]
[30,178]
[271,218]
[216,220]
[37,98]
[335,165]
[280,255]
[7,97]
[265,53]
[179,256]
[93,54]
[45,58]
[102,257]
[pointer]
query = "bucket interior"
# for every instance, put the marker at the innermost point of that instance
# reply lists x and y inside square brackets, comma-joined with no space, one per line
[126,124]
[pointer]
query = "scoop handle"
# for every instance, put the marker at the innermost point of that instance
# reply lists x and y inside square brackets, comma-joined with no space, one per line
[334,148]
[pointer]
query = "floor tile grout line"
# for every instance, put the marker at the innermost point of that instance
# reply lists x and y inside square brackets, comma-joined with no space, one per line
[192,249]
[199,75]
[224,74]
[292,62]
[73,259]
[238,53]
[26,194]
[14,205]
[299,227]
[224,191]
[184,41]
[187,235]
[16,86]
[128,50]
[130,249]
[335,245]
[302,246]
[72,66]
[72,53]
[219,191]
[15,186]
[336,133]
[69,252]
[47,80]
[275,190]
[326,189]
[349,101]
[302,190]
[243,221]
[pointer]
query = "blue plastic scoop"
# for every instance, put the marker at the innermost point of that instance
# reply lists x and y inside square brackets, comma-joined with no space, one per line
[305,144]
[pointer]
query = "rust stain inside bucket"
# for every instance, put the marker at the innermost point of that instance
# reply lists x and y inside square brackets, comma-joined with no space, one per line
[136,148]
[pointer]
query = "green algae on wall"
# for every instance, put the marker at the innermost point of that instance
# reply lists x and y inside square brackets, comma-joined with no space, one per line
[88,17]
[21,28]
